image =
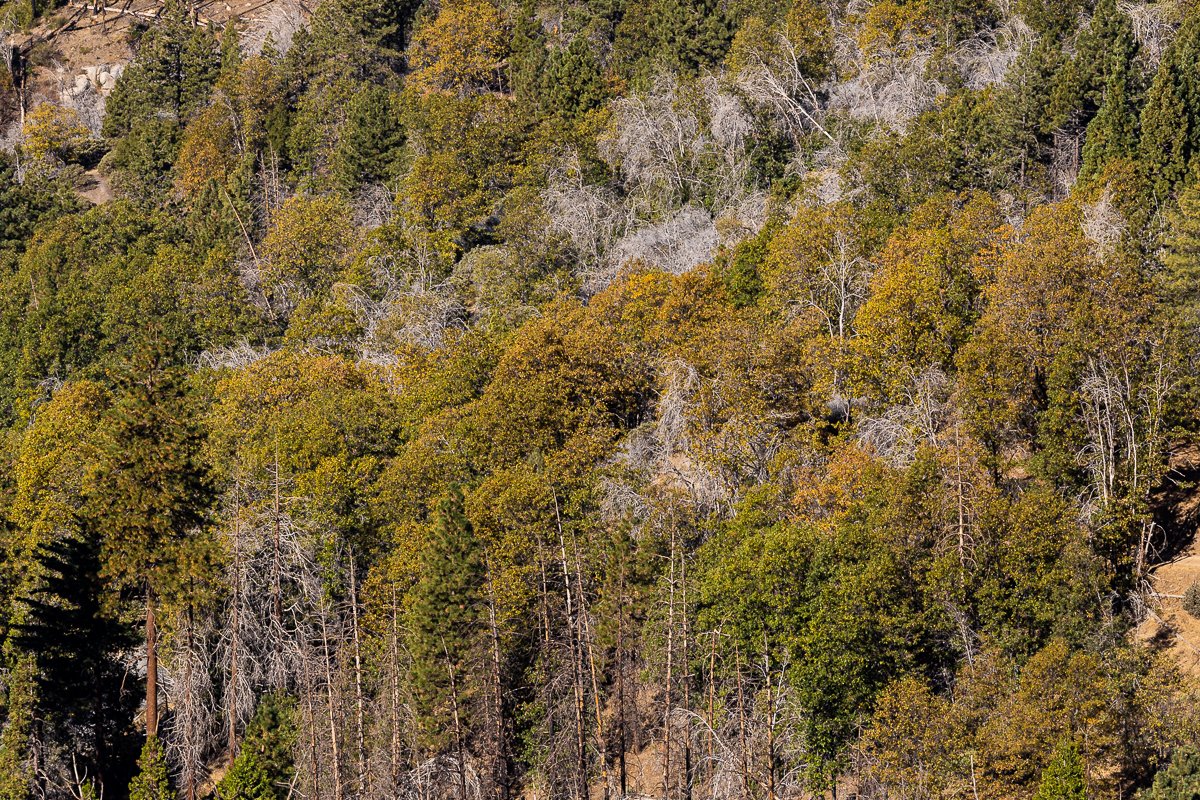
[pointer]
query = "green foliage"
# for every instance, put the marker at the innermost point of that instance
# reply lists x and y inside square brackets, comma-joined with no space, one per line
[81,686]
[172,74]
[263,767]
[1063,778]
[445,619]
[373,384]
[1179,779]
[151,487]
[1191,600]
[743,277]
[151,781]
[1170,121]
[371,138]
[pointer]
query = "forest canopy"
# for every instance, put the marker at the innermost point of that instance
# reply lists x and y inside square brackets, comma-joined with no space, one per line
[683,399]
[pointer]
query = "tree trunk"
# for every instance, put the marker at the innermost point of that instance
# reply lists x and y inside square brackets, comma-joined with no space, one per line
[741,690]
[235,624]
[395,675]
[151,668]
[499,746]
[335,754]
[576,664]
[360,706]
[668,677]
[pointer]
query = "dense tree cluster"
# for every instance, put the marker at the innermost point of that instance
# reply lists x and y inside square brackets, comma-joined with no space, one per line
[472,399]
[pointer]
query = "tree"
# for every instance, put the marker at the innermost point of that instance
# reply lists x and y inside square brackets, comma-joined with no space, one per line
[264,765]
[1171,116]
[1063,778]
[174,68]
[446,615]
[460,51]
[1179,779]
[151,781]
[305,249]
[150,495]
[76,645]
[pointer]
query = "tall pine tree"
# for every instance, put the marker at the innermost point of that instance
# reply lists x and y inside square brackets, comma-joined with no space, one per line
[151,493]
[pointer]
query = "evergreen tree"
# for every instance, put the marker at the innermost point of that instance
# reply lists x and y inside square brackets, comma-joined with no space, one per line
[1171,117]
[80,679]
[572,83]
[151,781]
[264,766]
[151,493]
[371,138]
[527,57]
[171,76]
[1179,779]
[1063,778]
[445,623]
[1113,132]
[1179,283]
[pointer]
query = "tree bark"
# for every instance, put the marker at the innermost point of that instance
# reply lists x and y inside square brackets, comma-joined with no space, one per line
[151,667]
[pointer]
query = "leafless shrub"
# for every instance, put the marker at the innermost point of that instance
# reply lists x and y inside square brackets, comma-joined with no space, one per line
[986,59]
[897,434]
[408,305]
[591,218]
[775,81]
[279,24]
[1103,225]
[373,207]
[667,153]
[888,87]
[187,683]
[1153,25]
[234,356]
[675,245]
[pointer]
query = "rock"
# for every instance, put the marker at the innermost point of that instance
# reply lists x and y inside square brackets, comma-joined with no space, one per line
[91,72]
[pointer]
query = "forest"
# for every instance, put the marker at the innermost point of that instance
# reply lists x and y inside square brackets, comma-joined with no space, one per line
[601,400]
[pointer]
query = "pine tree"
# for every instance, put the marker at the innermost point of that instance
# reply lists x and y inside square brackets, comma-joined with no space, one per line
[371,137]
[1171,118]
[1063,778]
[1179,284]
[171,76]
[527,57]
[1164,144]
[1113,132]
[77,646]
[1179,780]
[151,491]
[151,782]
[446,618]
[572,83]
[263,767]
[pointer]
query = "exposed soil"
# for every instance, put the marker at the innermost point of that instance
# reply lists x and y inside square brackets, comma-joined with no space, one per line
[1178,513]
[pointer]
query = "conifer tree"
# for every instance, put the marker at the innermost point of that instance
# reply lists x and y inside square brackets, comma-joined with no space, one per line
[1063,778]
[151,781]
[1171,117]
[1113,132]
[151,492]
[77,646]
[1179,779]
[263,767]
[446,617]
[1179,284]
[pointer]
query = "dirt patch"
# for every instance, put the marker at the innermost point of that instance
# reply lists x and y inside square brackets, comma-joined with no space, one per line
[1167,625]
[1177,512]
[94,188]
[82,36]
